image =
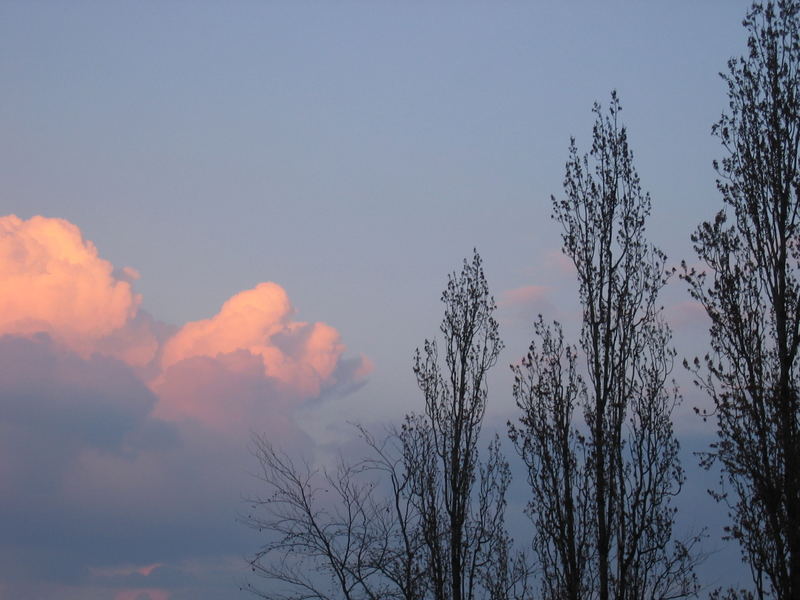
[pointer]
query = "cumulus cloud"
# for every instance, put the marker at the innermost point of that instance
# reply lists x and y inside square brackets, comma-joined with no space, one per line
[221,369]
[137,342]
[123,440]
[53,280]
[59,408]
[229,392]
[260,321]
[56,399]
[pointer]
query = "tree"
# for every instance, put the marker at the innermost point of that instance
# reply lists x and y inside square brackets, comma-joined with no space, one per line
[467,548]
[602,491]
[350,532]
[421,516]
[547,388]
[322,529]
[752,297]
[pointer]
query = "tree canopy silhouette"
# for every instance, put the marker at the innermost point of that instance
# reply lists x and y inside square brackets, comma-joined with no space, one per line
[421,515]
[602,489]
[751,293]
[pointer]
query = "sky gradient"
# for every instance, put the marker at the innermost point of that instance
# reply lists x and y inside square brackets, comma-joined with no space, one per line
[225,218]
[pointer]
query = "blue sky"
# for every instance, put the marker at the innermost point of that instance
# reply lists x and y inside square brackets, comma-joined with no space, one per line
[353,153]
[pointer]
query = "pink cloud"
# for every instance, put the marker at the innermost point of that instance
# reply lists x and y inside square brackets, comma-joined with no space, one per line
[112,423]
[525,295]
[254,341]
[53,280]
[248,320]
[227,393]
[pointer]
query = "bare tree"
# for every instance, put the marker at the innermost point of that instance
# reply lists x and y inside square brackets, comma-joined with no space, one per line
[420,516]
[614,477]
[402,562]
[752,296]
[468,550]
[351,532]
[321,527]
[547,389]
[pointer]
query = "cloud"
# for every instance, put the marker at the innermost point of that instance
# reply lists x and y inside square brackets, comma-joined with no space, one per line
[53,280]
[59,412]
[58,402]
[137,342]
[528,294]
[302,355]
[524,303]
[227,393]
[123,441]
[251,358]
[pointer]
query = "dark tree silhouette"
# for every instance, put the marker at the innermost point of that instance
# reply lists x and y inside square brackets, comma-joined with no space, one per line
[321,526]
[421,516]
[602,492]
[547,389]
[330,535]
[752,297]
[461,501]
[349,532]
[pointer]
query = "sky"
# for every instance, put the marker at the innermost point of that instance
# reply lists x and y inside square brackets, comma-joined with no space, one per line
[221,219]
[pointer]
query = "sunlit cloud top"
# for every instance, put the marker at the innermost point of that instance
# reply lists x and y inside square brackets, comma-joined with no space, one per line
[105,408]
[53,280]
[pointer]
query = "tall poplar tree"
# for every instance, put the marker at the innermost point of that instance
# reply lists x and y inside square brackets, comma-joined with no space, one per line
[602,489]
[751,293]
[460,498]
